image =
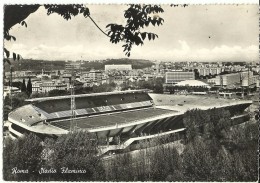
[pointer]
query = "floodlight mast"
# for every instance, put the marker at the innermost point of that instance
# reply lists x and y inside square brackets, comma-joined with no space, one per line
[10,86]
[73,125]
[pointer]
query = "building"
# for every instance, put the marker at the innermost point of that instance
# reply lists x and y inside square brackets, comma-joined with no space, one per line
[177,76]
[95,75]
[48,85]
[123,67]
[125,115]
[10,90]
[209,71]
[193,83]
[36,87]
[238,79]
[226,80]
[70,66]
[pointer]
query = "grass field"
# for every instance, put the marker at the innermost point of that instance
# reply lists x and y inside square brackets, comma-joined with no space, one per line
[112,119]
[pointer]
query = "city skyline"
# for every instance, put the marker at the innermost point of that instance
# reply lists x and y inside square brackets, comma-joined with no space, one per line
[219,33]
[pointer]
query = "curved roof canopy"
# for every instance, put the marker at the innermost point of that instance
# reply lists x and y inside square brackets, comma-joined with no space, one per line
[192,83]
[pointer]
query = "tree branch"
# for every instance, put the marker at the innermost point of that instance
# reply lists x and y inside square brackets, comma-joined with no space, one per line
[98,26]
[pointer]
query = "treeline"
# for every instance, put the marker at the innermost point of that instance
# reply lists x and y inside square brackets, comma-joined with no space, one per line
[136,63]
[35,65]
[51,159]
[213,151]
[155,84]
[38,65]
[100,65]
[210,151]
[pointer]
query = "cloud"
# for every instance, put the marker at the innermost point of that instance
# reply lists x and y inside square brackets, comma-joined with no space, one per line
[184,52]
[66,52]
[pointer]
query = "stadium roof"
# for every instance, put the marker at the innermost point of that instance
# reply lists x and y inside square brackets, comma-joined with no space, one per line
[86,95]
[192,83]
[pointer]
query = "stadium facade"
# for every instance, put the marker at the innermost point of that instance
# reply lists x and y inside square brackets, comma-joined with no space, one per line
[124,115]
[177,76]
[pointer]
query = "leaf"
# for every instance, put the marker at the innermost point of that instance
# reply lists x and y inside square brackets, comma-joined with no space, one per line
[13,38]
[7,60]
[108,25]
[24,23]
[149,36]
[153,36]
[143,35]
[7,52]
[14,56]
[86,12]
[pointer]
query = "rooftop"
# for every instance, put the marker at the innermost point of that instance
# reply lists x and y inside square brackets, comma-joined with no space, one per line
[85,95]
[192,82]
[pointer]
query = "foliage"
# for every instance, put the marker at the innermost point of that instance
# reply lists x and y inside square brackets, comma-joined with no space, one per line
[214,150]
[38,95]
[57,92]
[23,153]
[210,123]
[18,100]
[83,90]
[166,164]
[29,87]
[75,151]
[120,168]
[23,87]
[104,87]
[155,84]
[38,65]
[197,161]
[137,17]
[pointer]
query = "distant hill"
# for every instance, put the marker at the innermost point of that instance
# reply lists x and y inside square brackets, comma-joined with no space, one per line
[35,65]
[136,63]
[38,65]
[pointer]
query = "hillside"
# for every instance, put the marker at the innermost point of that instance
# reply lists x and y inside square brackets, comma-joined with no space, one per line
[38,65]
[136,63]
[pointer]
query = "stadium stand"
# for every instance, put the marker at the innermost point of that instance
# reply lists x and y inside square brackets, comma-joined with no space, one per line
[61,108]
[50,106]
[27,115]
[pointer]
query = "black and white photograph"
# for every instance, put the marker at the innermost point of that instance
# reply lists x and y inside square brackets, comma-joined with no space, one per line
[130,92]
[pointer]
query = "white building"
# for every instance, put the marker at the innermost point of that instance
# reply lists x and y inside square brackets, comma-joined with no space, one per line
[46,86]
[123,67]
[8,90]
[177,76]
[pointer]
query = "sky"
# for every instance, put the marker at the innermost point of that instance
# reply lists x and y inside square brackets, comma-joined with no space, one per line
[194,33]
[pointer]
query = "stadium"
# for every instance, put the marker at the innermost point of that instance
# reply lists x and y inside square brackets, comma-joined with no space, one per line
[125,115]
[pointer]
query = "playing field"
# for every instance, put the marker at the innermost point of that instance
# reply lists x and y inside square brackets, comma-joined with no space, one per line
[112,119]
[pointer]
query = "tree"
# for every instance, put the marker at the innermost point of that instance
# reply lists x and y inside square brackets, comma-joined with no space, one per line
[120,168]
[197,161]
[166,164]
[223,168]
[137,17]
[23,87]
[23,154]
[29,87]
[57,92]
[75,151]
[197,74]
